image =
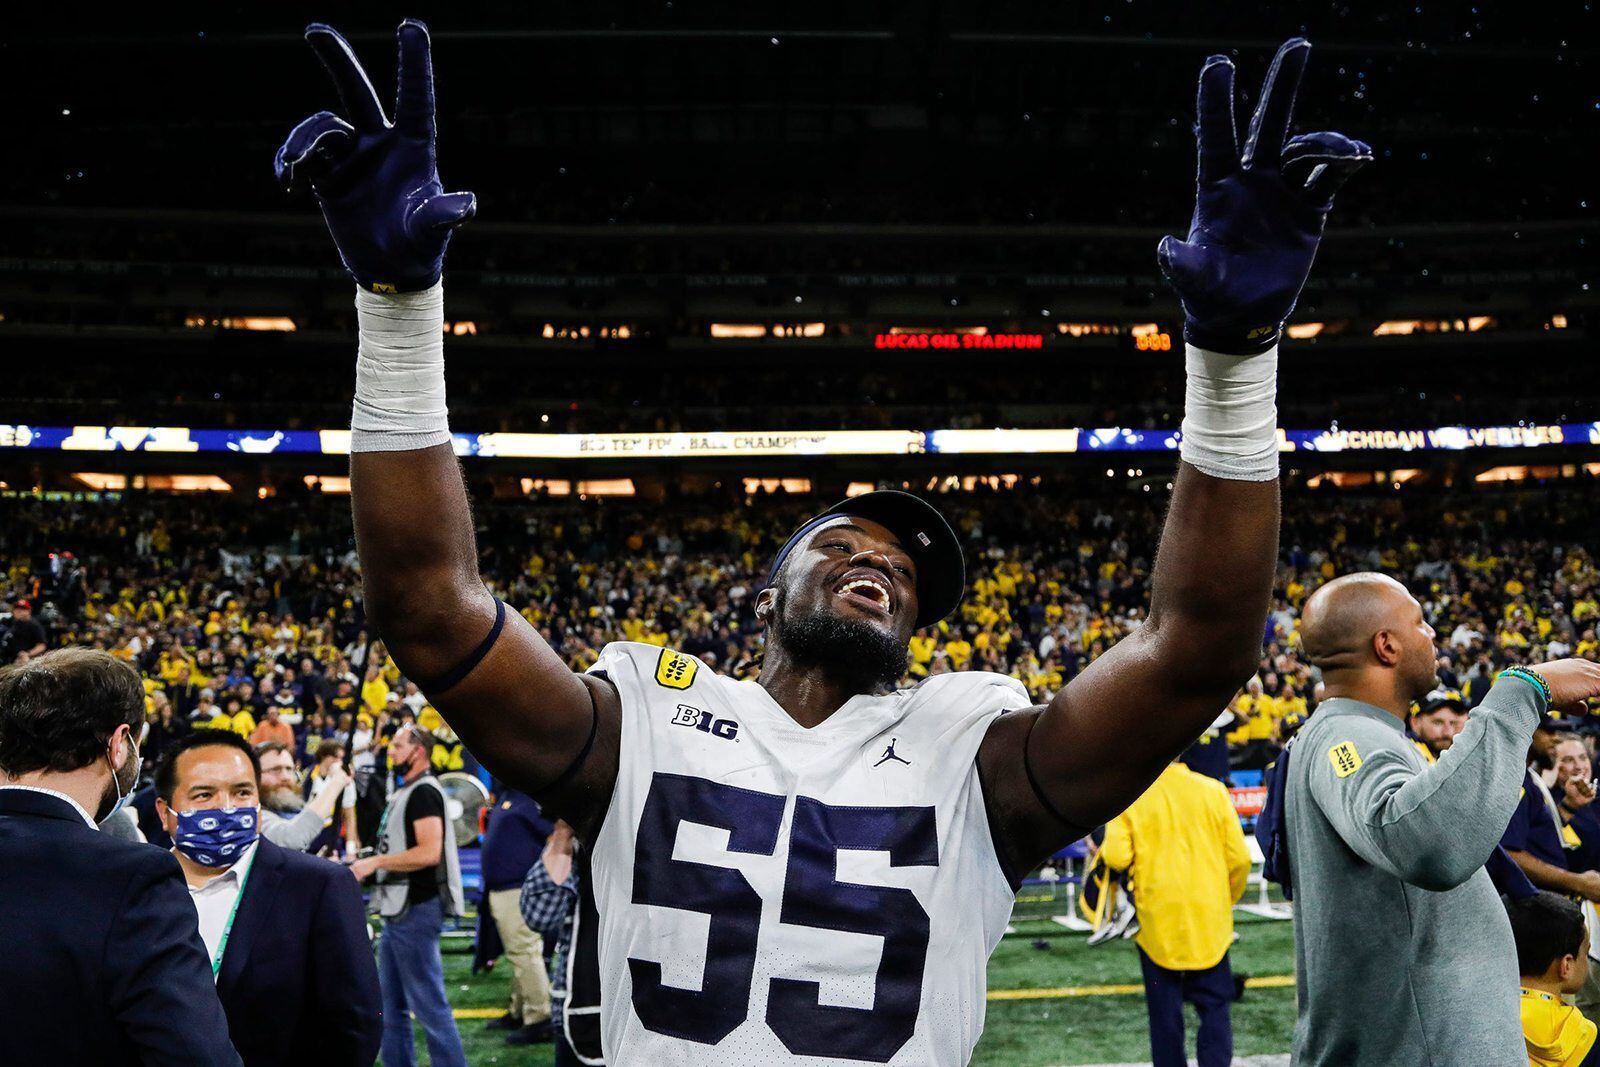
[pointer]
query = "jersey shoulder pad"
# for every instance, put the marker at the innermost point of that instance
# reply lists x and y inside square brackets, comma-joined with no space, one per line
[970,682]
[972,691]
[651,665]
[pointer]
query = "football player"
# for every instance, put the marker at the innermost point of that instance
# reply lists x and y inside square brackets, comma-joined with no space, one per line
[815,867]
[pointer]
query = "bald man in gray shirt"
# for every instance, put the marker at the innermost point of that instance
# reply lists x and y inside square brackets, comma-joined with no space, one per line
[1403,953]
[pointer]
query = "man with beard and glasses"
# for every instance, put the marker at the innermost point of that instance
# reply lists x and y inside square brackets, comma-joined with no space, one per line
[103,963]
[816,866]
[288,819]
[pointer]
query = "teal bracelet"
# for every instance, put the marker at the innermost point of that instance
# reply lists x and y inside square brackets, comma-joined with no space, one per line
[1532,678]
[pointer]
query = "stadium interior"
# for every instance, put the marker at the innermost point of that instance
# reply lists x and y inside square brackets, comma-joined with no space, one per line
[733,262]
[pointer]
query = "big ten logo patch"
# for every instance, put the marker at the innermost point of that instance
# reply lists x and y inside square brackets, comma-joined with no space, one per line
[1346,760]
[706,723]
[675,670]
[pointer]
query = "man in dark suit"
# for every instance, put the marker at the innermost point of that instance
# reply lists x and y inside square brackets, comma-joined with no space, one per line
[102,961]
[286,932]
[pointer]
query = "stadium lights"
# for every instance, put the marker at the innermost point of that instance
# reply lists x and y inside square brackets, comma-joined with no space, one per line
[328,484]
[606,487]
[1557,322]
[859,488]
[737,330]
[171,483]
[102,482]
[1518,473]
[1405,327]
[969,482]
[752,486]
[549,486]
[1304,331]
[464,328]
[267,323]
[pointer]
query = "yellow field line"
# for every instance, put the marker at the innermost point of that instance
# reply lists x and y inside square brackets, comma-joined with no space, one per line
[1266,981]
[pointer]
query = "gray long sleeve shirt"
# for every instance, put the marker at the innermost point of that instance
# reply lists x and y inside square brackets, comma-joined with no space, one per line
[1403,953]
[294,834]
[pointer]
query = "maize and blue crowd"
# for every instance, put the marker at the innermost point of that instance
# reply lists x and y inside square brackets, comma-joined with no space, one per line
[238,614]
[245,614]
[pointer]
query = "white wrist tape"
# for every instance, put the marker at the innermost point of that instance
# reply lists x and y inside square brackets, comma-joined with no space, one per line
[399,372]
[1230,415]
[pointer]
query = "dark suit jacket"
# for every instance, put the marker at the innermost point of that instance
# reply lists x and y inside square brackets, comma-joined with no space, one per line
[298,979]
[101,961]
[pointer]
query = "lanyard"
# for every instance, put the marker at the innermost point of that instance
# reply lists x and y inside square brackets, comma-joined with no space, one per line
[227,930]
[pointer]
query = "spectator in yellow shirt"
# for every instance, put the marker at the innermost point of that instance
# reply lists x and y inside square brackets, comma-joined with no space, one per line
[374,690]
[959,652]
[1182,846]
[1553,957]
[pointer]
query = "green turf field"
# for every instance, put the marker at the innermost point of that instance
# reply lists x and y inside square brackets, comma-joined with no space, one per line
[1088,1026]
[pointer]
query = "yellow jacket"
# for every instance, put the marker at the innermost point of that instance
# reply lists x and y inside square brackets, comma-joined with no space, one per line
[1182,843]
[1556,1035]
[375,695]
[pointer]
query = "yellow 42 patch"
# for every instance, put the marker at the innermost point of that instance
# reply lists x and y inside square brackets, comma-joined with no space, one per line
[1346,760]
[675,670]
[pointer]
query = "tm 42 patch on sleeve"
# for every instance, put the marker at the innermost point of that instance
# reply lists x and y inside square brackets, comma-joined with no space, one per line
[1345,759]
[675,670]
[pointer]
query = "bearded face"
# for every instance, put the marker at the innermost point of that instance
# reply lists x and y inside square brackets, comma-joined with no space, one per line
[283,800]
[865,657]
[846,603]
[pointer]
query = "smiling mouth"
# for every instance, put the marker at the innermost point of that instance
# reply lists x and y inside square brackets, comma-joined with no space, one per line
[872,592]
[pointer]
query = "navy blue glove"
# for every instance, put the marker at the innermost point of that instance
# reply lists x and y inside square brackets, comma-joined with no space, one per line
[376,180]
[1257,217]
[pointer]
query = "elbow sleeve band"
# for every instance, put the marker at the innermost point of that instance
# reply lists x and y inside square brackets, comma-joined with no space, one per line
[455,674]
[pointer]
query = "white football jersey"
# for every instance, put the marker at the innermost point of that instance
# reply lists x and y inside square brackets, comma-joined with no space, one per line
[770,894]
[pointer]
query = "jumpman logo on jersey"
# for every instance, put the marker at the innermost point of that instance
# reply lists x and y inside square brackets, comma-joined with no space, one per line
[889,754]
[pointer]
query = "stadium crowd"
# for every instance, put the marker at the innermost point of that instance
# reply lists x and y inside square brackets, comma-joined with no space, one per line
[247,615]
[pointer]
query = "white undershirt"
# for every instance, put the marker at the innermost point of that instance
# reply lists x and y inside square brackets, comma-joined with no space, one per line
[214,901]
[59,796]
[367,759]
[347,799]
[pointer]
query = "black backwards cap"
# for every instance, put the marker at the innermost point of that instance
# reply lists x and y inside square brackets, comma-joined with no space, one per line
[925,534]
[1442,698]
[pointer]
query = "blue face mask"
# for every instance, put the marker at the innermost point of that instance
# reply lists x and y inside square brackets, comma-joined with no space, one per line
[124,791]
[216,837]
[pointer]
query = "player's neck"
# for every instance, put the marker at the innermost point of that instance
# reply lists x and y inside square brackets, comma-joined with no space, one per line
[807,693]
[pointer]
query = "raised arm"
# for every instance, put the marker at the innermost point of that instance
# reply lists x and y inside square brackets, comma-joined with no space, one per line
[505,691]
[1258,218]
